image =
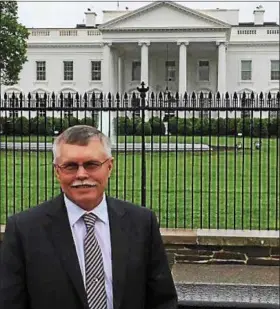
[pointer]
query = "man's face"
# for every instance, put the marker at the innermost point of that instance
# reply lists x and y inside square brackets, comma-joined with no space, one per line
[85,187]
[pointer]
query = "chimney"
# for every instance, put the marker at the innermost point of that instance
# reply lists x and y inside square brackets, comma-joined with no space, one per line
[259,15]
[90,18]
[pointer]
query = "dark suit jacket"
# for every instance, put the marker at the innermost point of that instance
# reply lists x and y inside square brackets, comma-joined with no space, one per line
[40,268]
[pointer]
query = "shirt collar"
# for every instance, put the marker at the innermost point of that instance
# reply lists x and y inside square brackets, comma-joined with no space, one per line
[75,212]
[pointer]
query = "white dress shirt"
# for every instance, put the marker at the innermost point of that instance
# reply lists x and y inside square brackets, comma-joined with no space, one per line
[102,233]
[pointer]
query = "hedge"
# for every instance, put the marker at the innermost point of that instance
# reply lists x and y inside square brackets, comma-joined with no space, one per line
[41,125]
[255,127]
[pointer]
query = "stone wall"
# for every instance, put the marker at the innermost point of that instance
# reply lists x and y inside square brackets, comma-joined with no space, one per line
[222,247]
[219,246]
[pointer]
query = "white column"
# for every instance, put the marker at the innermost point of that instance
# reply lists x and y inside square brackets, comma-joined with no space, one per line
[183,82]
[120,75]
[107,67]
[144,62]
[105,121]
[221,67]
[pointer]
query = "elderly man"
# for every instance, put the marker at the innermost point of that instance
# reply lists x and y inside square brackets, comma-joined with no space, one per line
[84,249]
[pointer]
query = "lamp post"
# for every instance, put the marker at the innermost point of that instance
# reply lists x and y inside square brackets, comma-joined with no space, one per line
[1,67]
[143,90]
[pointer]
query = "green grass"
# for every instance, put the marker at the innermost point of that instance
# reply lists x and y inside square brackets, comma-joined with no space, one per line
[212,140]
[208,190]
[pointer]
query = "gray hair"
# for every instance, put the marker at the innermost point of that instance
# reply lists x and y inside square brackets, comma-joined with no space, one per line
[81,135]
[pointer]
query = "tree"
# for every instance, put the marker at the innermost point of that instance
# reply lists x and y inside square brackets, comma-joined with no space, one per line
[13,43]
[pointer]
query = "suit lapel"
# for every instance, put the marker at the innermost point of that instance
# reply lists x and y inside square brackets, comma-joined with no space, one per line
[119,229]
[60,232]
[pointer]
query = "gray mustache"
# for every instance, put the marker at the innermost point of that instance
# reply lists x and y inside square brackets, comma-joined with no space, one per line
[83,183]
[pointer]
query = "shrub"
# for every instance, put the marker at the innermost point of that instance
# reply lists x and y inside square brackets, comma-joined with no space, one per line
[90,121]
[41,126]
[245,127]
[273,127]
[157,126]
[173,124]
[147,129]
[123,126]
[21,126]
[259,127]
[185,126]
[69,122]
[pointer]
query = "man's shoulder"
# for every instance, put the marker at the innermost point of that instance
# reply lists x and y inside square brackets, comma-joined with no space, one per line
[130,207]
[36,211]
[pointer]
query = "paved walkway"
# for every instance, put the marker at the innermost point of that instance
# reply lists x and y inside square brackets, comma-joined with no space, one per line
[227,284]
[226,274]
[128,147]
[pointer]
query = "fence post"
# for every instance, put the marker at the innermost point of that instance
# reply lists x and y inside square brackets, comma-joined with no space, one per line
[143,92]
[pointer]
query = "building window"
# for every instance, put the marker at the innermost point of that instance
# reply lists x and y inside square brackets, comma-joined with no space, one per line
[203,70]
[95,70]
[68,70]
[170,71]
[41,70]
[274,70]
[246,70]
[136,70]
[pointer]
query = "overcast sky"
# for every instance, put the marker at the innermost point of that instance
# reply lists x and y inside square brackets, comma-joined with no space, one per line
[40,14]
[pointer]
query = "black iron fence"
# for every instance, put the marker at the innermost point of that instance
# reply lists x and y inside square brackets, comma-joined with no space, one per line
[199,160]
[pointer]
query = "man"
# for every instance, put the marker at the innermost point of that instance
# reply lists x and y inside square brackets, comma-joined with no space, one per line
[84,249]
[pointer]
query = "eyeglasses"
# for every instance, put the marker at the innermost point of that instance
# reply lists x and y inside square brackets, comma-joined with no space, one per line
[73,167]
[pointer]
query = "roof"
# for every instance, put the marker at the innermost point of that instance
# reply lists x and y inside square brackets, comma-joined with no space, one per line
[251,24]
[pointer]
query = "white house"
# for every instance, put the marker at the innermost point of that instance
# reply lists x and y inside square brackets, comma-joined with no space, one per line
[165,44]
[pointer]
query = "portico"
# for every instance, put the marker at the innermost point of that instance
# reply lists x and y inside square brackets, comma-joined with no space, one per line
[180,65]
[187,52]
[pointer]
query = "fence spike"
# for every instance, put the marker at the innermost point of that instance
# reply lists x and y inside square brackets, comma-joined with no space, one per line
[218,95]
[269,95]
[93,99]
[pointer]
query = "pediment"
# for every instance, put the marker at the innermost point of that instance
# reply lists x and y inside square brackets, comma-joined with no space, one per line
[162,15]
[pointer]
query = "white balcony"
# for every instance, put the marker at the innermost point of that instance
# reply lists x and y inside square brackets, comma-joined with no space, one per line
[70,35]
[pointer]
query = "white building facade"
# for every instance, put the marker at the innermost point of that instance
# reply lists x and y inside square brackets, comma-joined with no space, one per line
[164,44]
